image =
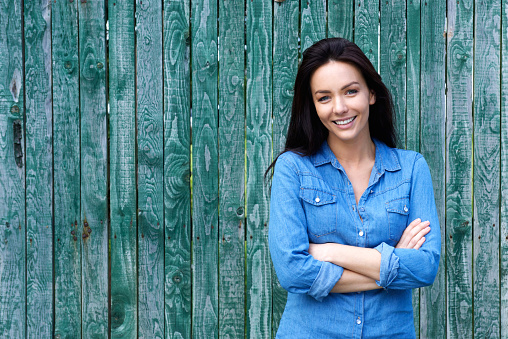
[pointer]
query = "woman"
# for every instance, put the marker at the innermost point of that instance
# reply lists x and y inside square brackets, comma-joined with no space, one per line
[342,201]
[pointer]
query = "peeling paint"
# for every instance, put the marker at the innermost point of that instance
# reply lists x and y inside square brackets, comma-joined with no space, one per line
[15,85]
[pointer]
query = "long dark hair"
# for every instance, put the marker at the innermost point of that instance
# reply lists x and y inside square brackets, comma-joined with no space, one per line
[306,133]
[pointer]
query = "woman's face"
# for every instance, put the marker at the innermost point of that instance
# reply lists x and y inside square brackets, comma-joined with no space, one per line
[342,101]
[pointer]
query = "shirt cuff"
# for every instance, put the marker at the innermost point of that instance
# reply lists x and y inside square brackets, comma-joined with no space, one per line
[326,279]
[389,268]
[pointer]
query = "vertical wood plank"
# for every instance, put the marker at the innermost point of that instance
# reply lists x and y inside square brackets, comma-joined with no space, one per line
[231,170]
[340,19]
[177,162]
[366,28]
[205,290]
[504,172]
[67,172]
[433,45]
[259,149]
[285,65]
[94,208]
[393,60]
[486,169]
[150,169]
[413,103]
[459,169]
[39,170]
[12,173]
[122,167]
[313,22]
[413,42]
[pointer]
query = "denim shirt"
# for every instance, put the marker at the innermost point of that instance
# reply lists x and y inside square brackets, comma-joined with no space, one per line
[312,200]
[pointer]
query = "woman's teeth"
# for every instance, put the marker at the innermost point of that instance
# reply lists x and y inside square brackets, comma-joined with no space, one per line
[344,122]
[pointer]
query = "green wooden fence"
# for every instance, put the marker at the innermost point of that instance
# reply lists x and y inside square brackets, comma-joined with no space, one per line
[122,216]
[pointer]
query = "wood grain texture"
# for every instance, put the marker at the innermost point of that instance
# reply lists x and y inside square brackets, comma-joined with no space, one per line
[340,19]
[259,149]
[366,28]
[392,65]
[412,141]
[94,204]
[486,169]
[122,168]
[433,46]
[12,174]
[504,174]
[66,159]
[285,65]
[150,169]
[413,41]
[231,170]
[177,162]
[313,22]
[205,314]
[459,179]
[39,170]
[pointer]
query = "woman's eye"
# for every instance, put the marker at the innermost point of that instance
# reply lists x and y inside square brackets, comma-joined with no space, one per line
[323,98]
[351,91]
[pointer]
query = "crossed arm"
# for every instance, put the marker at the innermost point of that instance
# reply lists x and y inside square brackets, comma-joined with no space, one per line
[362,265]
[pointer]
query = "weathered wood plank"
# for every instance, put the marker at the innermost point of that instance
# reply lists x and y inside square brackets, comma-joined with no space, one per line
[504,173]
[392,65]
[459,169]
[122,167]
[486,169]
[205,315]
[66,161]
[413,33]
[150,169]
[94,208]
[177,162]
[285,64]
[433,45]
[366,28]
[340,19]
[413,103]
[12,174]
[39,170]
[232,170]
[313,22]
[413,76]
[259,149]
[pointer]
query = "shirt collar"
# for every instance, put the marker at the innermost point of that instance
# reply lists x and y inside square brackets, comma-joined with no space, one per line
[386,159]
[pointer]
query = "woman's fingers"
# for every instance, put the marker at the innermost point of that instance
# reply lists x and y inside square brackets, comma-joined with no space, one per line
[413,236]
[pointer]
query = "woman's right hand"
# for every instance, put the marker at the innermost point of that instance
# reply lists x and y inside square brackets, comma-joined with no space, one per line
[414,234]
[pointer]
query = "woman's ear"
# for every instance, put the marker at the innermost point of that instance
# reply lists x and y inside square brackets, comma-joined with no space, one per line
[372,97]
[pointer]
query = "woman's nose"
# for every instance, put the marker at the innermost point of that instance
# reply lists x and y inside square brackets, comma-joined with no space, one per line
[339,106]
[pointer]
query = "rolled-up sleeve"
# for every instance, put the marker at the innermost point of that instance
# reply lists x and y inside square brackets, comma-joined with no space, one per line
[410,268]
[297,270]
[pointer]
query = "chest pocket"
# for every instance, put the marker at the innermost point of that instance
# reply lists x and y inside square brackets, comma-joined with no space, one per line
[320,211]
[398,212]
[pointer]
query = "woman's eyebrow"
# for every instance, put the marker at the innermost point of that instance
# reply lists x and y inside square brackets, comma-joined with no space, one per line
[351,83]
[322,91]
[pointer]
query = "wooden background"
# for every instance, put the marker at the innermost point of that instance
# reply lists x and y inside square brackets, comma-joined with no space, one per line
[122,216]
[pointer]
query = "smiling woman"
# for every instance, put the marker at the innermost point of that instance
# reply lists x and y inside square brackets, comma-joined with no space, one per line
[353,222]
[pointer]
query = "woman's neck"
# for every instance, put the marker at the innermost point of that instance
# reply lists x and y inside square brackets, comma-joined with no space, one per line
[355,153]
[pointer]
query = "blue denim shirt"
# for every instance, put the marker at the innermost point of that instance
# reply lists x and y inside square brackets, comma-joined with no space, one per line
[312,200]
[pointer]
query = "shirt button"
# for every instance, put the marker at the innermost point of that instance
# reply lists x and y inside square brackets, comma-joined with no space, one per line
[317,200]
[361,209]
[358,321]
[405,208]
[360,233]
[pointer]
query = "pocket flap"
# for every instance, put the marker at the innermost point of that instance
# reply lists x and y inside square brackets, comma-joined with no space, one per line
[400,206]
[317,197]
